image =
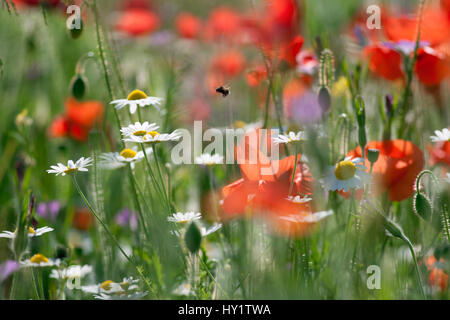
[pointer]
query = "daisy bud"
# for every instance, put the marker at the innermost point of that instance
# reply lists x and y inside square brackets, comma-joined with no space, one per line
[193,238]
[78,86]
[324,98]
[372,155]
[422,206]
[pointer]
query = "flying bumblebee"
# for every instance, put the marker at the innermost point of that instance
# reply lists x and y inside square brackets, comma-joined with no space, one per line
[225,91]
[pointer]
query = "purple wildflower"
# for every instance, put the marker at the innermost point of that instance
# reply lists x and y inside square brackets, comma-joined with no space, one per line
[7,268]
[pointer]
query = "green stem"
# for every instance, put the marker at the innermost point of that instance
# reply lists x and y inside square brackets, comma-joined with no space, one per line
[159,171]
[157,186]
[416,266]
[77,186]
[410,68]
[104,65]
[136,200]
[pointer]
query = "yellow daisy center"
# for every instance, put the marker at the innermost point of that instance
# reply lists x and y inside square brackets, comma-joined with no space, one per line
[31,230]
[125,285]
[238,124]
[70,170]
[345,170]
[140,133]
[136,95]
[106,285]
[153,133]
[128,153]
[38,258]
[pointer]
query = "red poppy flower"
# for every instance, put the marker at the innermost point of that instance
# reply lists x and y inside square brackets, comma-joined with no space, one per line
[445,4]
[137,4]
[78,120]
[35,3]
[230,63]
[290,50]
[224,67]
[431,66]
[282,18]
[397,167]
[255,76]
[137,22]
[223,22]
[188,25]
[439,153]
[437,277]
[384,62]
[86,113]
[265,183]
[83,219]
[435,27]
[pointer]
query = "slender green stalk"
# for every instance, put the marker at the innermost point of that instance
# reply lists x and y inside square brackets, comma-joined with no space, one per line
[158,167]
[416,267]
[104,64]
[158,187]
[267,104]
[105,227]
[136,200]
[35,282]
[409,67]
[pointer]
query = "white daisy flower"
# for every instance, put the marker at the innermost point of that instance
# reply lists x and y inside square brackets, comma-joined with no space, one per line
[71,272]
[121,296]
[347,174]
[138,129]
[110,290]
[71,167]
[114,160]
[308,218]
[183,289]
[137,98]
[186,217]
[39,260]
[441,135]
[207,231]
[154,137]
[291,137]
[110,286]
[31,232]
[299,199]
[208,159]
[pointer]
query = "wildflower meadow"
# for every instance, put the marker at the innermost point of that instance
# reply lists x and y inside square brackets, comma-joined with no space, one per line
[224,150]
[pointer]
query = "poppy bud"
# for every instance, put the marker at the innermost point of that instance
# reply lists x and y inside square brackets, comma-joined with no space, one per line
[61,252]
[422,206]
[193,238]
[372,155]
[78,86]
[389,104]
[324,98]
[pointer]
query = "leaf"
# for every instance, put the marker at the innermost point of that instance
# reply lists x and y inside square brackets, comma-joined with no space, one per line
[1,68]
[193,238]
